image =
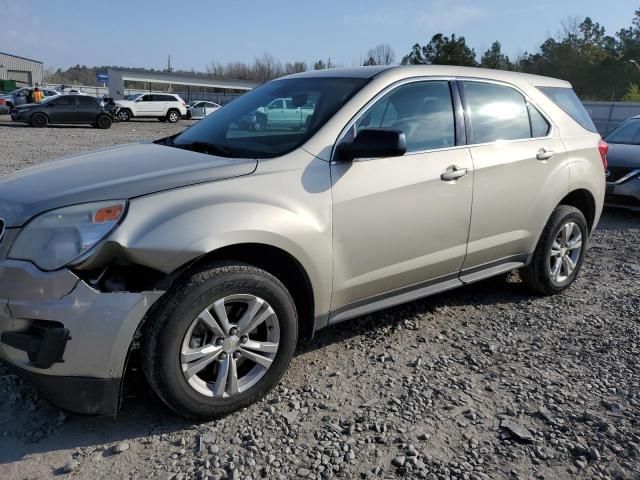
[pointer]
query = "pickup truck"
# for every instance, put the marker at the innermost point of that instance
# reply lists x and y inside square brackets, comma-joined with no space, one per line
[282,113]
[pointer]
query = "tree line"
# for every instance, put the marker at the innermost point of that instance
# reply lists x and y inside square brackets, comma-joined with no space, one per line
[598,65]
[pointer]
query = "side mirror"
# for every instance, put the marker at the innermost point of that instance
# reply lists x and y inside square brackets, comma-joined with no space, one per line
[374,143]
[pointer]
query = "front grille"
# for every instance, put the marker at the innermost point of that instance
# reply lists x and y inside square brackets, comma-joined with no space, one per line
[627,200]
[616,173]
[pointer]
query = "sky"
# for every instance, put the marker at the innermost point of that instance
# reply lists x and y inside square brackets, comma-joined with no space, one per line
[196,32]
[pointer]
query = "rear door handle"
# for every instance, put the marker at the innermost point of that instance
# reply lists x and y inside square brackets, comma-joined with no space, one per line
[453,172]
[544,154]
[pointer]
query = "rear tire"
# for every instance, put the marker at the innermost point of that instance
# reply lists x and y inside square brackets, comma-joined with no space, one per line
[39,120]
[559,254]
[173,116]
[103,122]
[176,333]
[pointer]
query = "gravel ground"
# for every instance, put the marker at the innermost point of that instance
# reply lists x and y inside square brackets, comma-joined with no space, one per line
[484,382]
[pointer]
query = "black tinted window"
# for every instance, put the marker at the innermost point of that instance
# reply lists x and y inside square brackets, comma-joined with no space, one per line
[497,112]
[165,98]
[628,132]
[423,111]
[147,98]
[82,100]
[65,100]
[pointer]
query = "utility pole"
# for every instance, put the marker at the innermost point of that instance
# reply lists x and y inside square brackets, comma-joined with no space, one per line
[169,64]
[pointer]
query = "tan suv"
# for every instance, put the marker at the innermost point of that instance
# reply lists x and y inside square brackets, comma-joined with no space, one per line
[213,251]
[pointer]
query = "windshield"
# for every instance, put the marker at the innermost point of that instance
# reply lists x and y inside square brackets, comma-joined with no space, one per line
[132,97]
[271,120]
[628,132]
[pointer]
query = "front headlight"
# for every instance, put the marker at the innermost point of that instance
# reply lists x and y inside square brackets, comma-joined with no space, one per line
[56,238]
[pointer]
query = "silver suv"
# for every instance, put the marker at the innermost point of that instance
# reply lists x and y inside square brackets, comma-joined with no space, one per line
[213,251]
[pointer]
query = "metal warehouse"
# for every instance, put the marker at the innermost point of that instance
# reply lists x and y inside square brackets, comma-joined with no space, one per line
[24,71]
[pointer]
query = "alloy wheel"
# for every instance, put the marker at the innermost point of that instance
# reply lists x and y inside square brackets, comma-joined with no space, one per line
[230,346]
[565,252]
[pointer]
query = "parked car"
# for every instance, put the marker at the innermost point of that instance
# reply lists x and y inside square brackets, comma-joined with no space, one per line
[166,107]
[200,108]
[623,172]
[19,96]
[63,109]
[211,252]
[4,107]
[285,113]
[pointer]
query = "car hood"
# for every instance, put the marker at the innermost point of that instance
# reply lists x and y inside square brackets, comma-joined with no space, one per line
[622,155]
[124,103]
[120,172]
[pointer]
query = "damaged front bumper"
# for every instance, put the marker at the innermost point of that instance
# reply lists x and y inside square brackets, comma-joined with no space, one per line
[67,338]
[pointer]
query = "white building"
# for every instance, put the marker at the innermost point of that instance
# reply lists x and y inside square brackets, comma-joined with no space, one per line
[23,70]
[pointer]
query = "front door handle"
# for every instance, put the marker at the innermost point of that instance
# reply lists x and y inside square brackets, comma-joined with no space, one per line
[453,172]
[544,154]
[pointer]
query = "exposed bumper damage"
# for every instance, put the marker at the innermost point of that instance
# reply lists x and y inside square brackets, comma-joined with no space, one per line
[85,377]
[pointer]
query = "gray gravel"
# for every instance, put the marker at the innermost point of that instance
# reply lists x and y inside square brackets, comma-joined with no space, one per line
[482,382]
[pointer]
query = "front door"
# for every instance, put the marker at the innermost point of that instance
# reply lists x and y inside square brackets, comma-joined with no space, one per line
[61,110]
[398,224]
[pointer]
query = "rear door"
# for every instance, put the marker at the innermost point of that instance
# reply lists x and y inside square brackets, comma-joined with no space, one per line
[87,109]
[518,159]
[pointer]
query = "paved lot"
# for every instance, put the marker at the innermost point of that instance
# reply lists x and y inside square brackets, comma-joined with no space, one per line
[418,391]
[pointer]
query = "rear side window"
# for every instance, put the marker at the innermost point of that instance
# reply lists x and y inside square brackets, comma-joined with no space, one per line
[66,100]
[497,112]
[568,101]
[82,100]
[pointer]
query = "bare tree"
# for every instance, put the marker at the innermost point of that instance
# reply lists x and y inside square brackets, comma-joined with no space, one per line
[295,67]
[381,54]
[266,67]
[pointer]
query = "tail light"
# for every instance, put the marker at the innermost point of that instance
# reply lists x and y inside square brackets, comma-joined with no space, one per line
[603,147]
[3,101]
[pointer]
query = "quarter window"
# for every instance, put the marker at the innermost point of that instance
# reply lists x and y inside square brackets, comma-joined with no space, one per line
[422,110]
[539,125]
[497,112]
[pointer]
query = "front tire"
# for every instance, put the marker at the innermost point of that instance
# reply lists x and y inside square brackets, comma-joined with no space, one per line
[124,115]
[219,340]
[560,252]
[173,116]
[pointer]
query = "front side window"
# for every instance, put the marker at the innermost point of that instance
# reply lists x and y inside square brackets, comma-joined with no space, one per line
[497,112]
[147,98]
[248,127]
[422,110]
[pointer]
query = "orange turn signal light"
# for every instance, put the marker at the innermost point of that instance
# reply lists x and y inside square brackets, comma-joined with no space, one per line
[108,214]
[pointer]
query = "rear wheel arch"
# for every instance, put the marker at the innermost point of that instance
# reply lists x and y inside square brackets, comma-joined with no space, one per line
[584,201]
